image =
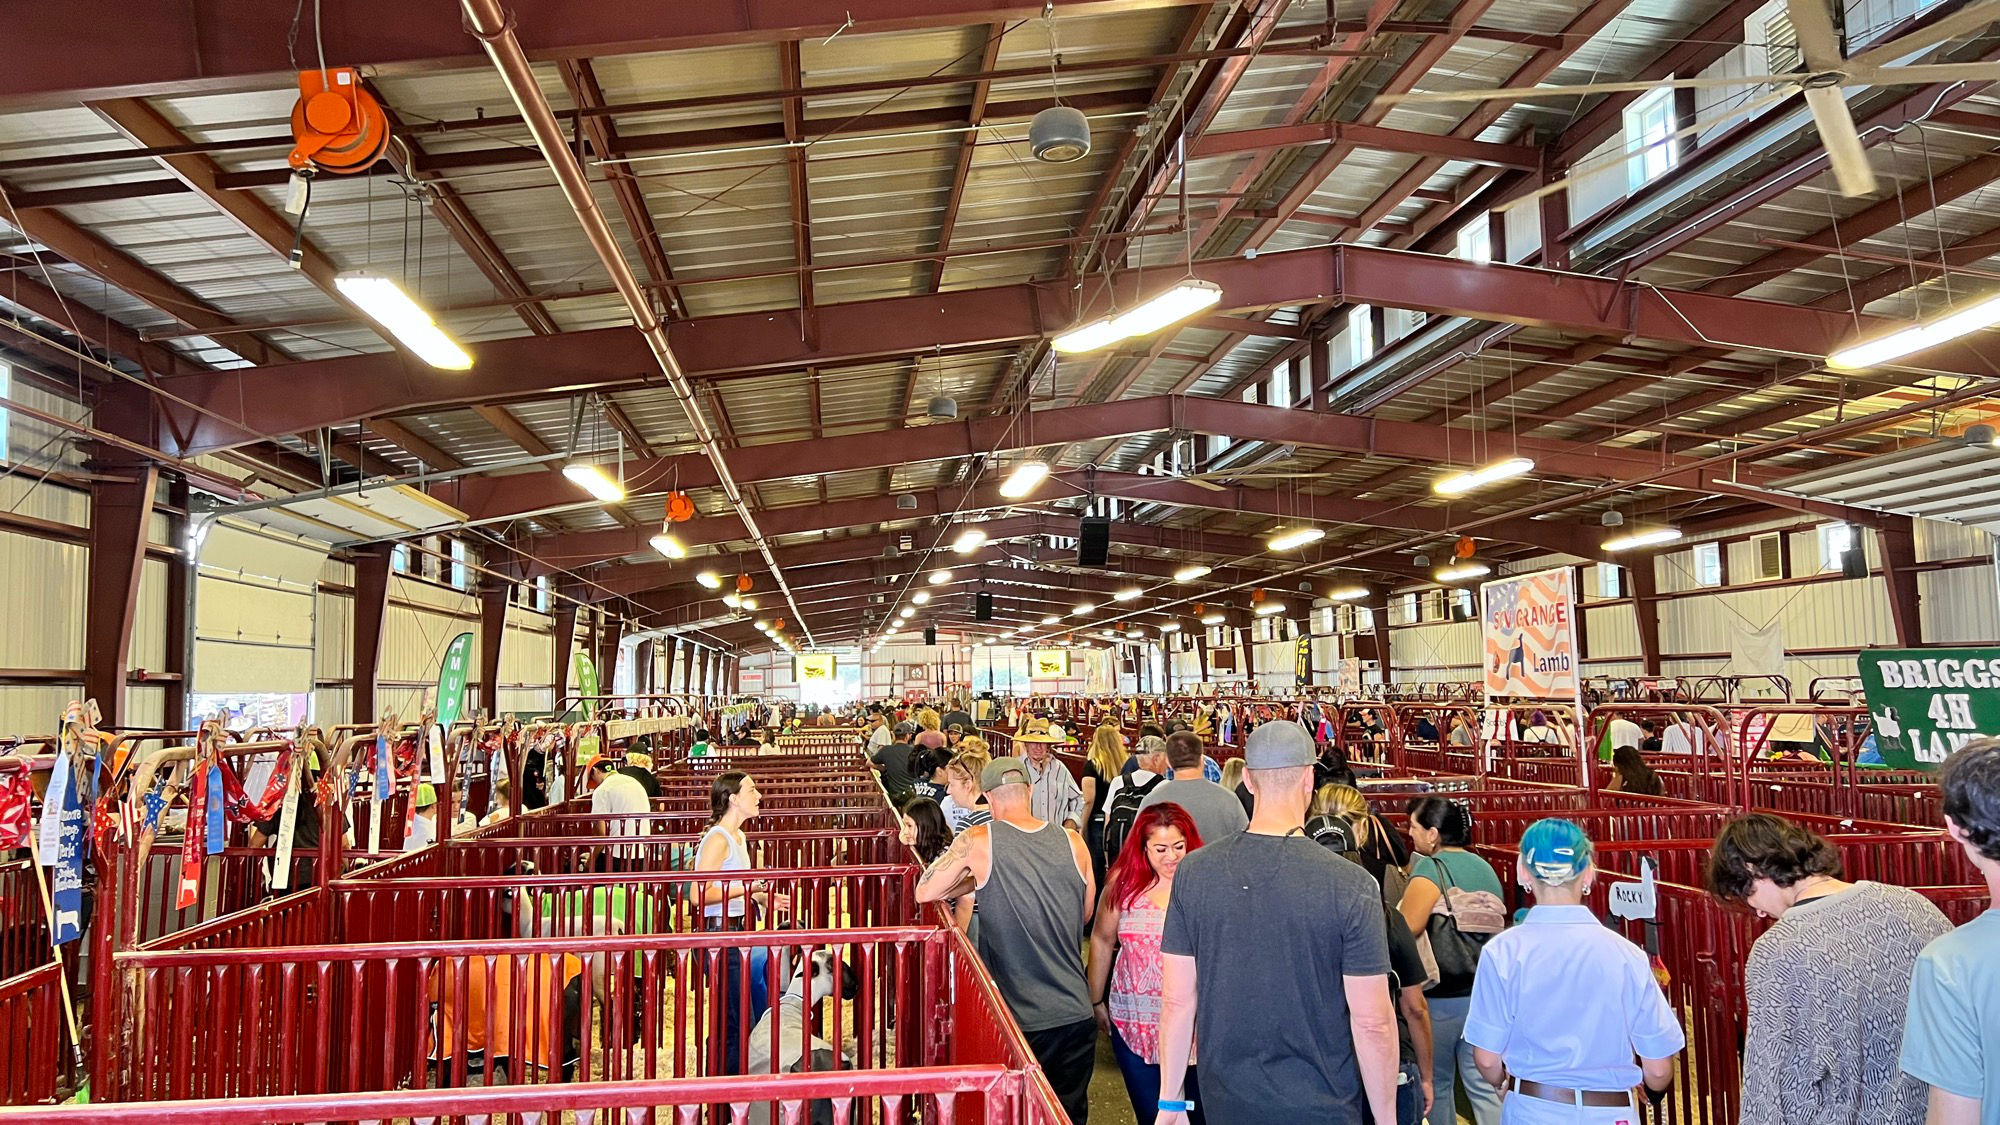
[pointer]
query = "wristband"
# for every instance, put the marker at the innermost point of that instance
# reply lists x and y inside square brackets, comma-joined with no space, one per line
[1168,1105]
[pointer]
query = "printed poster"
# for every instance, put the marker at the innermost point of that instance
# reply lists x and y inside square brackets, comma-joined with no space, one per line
[1048,664]
[1529,622]
[815,668]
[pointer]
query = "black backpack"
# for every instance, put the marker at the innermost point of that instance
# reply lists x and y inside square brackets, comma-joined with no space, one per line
[1121,813]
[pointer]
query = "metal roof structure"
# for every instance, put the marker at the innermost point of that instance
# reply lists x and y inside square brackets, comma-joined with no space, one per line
[833,207]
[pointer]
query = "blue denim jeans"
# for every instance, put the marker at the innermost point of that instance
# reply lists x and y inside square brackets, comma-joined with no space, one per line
[1142,1083]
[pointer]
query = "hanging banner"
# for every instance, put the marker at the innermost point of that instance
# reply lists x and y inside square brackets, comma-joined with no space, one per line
[815,668]
[1302,660]
[1350,676]
[1048,664]
[451,680]
[1926,703]
[66,870]
[1530,628]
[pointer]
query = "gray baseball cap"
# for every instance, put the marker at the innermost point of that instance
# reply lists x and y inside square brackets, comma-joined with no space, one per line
[1277,745]
[1003,771]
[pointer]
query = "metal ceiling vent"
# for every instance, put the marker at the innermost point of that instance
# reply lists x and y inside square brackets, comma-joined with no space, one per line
[1059,134]
[941,407]
[906,502]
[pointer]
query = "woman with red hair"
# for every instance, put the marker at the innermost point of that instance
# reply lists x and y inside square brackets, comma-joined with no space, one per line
[1129,918]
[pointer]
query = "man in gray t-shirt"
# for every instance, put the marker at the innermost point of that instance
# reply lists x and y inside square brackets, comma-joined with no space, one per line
[1277,960]
[1218,813]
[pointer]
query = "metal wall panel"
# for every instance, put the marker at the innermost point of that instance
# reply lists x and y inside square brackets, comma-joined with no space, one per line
[1612,632]
[333,640]
[331,705]
[1960,606]
[34,709]
[42,602]
[1449,644]
[149,625]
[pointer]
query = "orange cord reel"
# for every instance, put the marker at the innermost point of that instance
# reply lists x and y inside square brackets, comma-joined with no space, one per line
[338,128]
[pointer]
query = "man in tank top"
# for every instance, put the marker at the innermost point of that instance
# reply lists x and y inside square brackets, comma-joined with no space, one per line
[1035,889]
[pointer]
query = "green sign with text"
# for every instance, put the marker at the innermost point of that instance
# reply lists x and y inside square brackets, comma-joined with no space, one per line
[452,673]
[1923,704]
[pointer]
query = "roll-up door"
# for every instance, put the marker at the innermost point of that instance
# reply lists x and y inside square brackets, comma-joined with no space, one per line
[253,620]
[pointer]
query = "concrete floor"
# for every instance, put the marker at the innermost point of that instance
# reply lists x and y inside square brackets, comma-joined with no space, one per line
[1108,1103]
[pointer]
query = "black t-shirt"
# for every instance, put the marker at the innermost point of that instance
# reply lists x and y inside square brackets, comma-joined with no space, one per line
[961,718]
[895,762]
[305,829]
[645,778]
[1275,924]
[1103,788]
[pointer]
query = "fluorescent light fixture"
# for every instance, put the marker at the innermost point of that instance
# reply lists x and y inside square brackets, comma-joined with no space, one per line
[1266,609]
[1190,573]
[1463,571]
[906,613]
[711,580]
[1178,303]
[1052,618]
[670,546]
[921,597]
[1214,618]
[1109,634]
[1127,594]
[733,600]
[1026,477]
[1171,627]
[761,623]
[593,478]
[747,602]
[1084,609]
[987,641]
[1348,594]
[387,305]
[1643,537]
[968,541]
[1918,337]
[1294,539]
[1134,634]
[1458,484]
[940,577]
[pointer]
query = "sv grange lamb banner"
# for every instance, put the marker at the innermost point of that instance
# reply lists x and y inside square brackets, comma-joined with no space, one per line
[1529,623]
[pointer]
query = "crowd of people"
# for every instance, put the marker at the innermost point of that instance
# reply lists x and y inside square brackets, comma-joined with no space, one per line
[1326,965]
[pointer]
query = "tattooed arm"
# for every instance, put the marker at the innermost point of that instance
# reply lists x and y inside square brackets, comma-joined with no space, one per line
[954,872]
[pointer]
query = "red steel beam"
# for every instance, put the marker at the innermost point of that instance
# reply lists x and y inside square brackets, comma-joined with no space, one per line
[968,148]
[295,397]
[1448,147]
[63,53]
[487,499]
[121,514]
[602,131]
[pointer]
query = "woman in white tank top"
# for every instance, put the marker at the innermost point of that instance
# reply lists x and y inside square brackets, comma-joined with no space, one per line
[733,800]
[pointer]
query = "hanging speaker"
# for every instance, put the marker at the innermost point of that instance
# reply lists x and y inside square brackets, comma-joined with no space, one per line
[1854,563]
[930,634]
[1093,541]
[982,606]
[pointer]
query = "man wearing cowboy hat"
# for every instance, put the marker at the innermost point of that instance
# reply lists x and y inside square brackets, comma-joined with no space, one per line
[1053,793]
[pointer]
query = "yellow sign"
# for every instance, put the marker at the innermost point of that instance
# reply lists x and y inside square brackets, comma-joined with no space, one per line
[815,668]
[1048,664]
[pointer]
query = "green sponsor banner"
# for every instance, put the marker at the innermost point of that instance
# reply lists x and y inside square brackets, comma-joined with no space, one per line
[1926,703]
[452,672]
[586,681]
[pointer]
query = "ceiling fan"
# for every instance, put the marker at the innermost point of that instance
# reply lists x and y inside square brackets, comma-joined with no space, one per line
[1825,71]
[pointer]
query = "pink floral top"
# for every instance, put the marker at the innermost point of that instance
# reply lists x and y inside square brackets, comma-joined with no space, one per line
[1136,980]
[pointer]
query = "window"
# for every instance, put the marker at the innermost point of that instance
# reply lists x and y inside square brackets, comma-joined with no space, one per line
[1835,540]
[1281,384]
[1360,335]
[399,558]
[6,389]
[1463,603]
[1364,619]
[1610,580]
[542,594]
[1649,137]
[1218,444]
[1475,241]
[461,568]
[1708,564]
[1412,609]
[1326,620]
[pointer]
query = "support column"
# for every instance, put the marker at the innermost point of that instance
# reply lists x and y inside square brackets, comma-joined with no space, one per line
[606,655]
[1644,576]
[565,643]
[688,656]
[1320,371]
[1896,539]
[1555,221]
[492,631]
[371,608]
[642,668]
[1201,653]
[180,587]
[1249,651]
[121,514]
[1378,609]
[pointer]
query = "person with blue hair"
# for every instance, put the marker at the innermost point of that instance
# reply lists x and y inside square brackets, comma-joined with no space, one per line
[1562,1005]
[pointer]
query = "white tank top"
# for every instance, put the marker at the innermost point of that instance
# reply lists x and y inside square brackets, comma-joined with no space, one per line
[736,859]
